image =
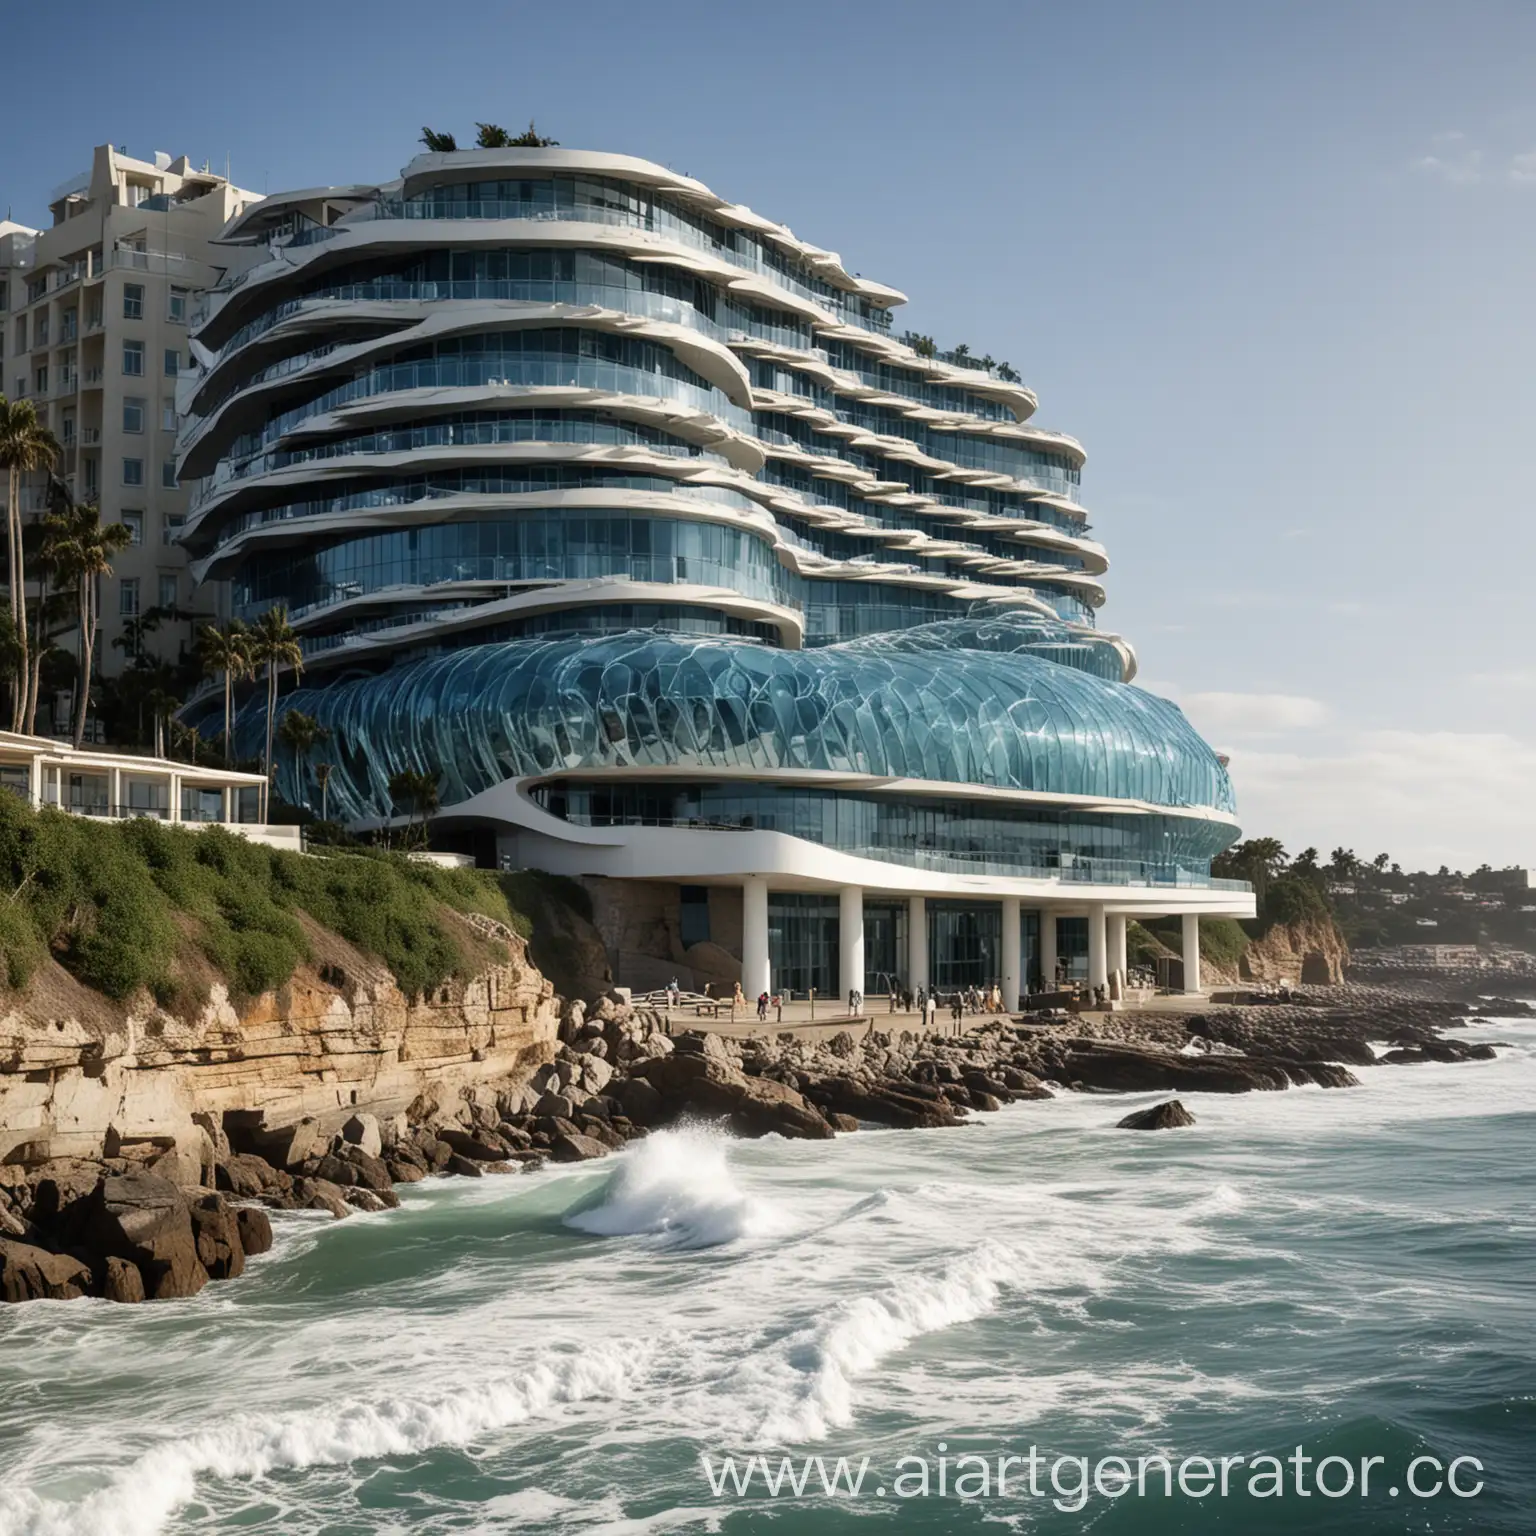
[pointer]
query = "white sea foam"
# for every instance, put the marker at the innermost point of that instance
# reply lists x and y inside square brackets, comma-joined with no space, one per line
[678,1186]
[816,1368]
[142,1498]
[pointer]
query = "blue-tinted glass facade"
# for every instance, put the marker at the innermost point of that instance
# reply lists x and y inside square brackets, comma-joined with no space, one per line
[564,473]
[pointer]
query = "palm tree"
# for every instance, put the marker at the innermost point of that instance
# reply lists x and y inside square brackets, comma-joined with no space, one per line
[419,791]
[490,136]
[83,547]
[25,445]
[227,653]
[323,779]
[303,733]
[533,139]
[10,651]
[438,143]
[273,645]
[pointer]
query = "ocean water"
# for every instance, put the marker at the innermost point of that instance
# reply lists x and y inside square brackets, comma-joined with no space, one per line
[1351,1273]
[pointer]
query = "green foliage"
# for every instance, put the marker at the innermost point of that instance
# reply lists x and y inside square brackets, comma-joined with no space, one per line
[1292,899]
[117,903]
[1222,940]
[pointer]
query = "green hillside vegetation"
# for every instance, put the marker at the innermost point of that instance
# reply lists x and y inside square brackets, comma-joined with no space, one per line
[119,903]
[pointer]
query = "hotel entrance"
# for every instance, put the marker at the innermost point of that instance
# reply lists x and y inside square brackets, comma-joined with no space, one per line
[802,944]
[965,944]
[885,947]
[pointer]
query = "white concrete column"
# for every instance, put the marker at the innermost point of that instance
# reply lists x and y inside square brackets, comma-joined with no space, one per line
[1048,949]
[754,937]
[1191,951]
[117,790]
[1098,948]
[35,782]
[1117,954]
[917,942]
[850,940]
[173,810]
[1011,957]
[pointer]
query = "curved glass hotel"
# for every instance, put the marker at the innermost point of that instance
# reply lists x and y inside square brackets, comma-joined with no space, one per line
[630,518]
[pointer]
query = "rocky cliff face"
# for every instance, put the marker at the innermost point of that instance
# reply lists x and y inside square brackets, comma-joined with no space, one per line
[1313,953]
[80,1077]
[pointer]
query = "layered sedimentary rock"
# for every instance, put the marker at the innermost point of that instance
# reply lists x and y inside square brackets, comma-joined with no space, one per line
[82,1078]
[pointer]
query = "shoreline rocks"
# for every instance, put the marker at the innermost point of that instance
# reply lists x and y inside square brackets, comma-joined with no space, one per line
[147,1223]
[1168,1116]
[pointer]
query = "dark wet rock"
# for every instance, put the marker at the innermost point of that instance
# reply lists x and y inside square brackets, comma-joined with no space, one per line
[312,1194]
[889,1102]
[28,1273]
[576,1149]
[248,1177]
[370,1200]
[368,1171]
[148,1221]
[465,1167]
[639,1101]
[217,1232]
[255,1229]
[701,1083]
[121,1281]
[483,1146]
[1161,1117]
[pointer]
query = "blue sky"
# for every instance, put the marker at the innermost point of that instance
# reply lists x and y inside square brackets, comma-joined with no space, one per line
[1272,263]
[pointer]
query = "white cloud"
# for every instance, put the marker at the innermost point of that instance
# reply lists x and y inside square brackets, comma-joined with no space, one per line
[1462,169]
[1220,715]
[1523,167]
[1428,798]
[1520,677]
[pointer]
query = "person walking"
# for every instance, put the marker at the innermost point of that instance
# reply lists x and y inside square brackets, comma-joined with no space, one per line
[762,1007]
[930,1011]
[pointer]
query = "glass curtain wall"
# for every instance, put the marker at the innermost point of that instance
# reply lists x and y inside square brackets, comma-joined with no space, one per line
[802,944]
[965,944]
[885,947]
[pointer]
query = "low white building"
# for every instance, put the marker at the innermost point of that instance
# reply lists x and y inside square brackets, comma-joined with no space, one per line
[87,782]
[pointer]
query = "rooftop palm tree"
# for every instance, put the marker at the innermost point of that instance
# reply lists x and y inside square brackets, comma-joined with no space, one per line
[274,645]
[227,653]
[490,136]
[83,547]
[533,139]
[438,143]
[26,445]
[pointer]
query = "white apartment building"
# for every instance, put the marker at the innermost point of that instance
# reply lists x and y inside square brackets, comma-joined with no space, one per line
[93,330]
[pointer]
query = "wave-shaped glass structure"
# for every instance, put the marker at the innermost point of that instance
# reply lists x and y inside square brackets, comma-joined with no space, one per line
[629,518]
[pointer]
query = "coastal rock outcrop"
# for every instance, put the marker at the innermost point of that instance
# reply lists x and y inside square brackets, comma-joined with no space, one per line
[1167,1116]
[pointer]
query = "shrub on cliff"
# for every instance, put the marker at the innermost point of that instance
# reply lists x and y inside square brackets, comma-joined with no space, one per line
[117,902]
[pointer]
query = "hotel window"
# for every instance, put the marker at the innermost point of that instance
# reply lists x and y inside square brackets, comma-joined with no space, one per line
[40,329]
[128,597]
[167,415]
[172,526]
[21,333]
[134,523]
[167,591]
[133,471]
[168,475]
[176,306]
[133,414]
[133,301]
[172,363]
[67,431]
[42,380]
[133,359]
